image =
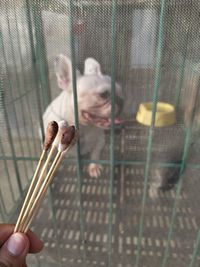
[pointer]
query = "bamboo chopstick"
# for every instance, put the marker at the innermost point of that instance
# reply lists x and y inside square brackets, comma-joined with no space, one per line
[51,133]
[41,194]
[65,138]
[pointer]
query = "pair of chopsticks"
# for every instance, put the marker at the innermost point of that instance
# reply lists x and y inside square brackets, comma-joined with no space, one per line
[59,137]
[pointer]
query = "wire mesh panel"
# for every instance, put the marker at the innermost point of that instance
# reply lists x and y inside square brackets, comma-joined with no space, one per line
[142,209]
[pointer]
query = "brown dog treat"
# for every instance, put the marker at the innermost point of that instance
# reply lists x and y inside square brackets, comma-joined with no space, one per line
[67,137]
[62,126]
[51,133]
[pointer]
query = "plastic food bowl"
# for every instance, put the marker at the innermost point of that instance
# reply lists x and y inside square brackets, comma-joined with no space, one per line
[165,114]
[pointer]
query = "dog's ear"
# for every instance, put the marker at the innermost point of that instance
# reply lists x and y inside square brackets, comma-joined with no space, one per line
[63,71]
[92,67]
[62,65]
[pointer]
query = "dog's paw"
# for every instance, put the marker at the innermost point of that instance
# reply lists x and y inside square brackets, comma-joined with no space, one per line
[94,170]
[153,192]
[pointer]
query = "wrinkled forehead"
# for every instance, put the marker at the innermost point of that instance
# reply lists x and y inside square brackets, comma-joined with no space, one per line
[95,83]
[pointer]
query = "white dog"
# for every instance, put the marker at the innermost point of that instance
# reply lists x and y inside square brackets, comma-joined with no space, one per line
[94,105]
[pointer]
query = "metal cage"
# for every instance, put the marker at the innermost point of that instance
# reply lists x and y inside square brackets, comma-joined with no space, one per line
[152,48]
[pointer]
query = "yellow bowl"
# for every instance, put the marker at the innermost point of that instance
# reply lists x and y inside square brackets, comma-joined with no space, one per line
[165,114]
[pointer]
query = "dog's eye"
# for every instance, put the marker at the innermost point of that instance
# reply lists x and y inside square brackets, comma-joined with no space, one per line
[105,95]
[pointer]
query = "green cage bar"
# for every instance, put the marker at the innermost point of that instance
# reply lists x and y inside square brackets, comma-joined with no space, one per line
[25,82]
[3,212]
[40,53]
[34,61]
[78,161]
[112,136]
[151,129]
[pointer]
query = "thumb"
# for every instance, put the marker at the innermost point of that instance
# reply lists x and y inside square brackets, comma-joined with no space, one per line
[13,252]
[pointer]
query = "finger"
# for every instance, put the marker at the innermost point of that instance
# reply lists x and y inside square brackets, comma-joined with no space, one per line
[6,231]
[14,251]
[36,245]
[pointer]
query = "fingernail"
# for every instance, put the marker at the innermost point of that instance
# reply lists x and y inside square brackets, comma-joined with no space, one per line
[16,244]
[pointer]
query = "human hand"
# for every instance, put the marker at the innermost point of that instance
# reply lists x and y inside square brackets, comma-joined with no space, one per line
[15,247]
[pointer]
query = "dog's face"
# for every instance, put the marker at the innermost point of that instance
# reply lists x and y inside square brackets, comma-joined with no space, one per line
[93,92]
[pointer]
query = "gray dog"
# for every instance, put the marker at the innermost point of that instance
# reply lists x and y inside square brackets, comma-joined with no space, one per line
[94,105]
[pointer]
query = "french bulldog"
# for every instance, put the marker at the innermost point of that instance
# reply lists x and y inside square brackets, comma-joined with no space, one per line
[94,105]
